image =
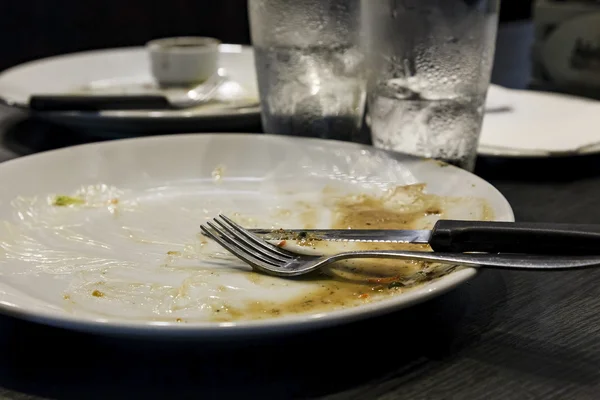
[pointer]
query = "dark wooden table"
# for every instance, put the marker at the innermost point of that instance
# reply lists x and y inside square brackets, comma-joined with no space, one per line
[504,335]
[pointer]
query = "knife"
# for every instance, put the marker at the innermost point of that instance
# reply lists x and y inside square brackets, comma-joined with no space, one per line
[98,102]
[467,236]
[217,88]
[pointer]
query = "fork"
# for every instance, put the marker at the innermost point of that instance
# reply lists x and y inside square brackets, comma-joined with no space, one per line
[267,258]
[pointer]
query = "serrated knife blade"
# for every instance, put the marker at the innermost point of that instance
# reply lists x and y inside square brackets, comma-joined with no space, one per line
[348,235]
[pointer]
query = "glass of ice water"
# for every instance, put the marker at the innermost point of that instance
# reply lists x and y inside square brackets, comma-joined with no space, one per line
[310,69]
[429,64]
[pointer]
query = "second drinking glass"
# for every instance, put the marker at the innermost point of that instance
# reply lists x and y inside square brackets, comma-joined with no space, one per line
[310,68]
[429,64]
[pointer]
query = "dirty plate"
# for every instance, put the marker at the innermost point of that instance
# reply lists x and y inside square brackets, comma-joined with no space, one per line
[105,237]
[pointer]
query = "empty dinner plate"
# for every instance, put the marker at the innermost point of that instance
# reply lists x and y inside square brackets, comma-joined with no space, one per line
[105,237]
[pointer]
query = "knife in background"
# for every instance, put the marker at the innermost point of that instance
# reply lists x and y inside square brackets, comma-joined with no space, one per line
[99,102]
[219,87]
[467,236]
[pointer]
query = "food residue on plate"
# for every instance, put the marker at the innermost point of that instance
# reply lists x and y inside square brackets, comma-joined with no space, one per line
[218,172]
[352,282]
[167,274]
[93,196]
[65,201]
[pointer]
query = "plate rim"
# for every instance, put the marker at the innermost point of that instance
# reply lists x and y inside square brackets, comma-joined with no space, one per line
[514,153]
[294,323]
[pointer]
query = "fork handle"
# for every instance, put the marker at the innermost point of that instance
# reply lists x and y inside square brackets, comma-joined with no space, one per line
[524,262]
[514,237]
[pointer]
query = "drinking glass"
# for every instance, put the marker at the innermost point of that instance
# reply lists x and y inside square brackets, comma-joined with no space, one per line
[429,64]
[310,68]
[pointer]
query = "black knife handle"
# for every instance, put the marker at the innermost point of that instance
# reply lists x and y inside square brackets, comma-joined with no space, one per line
[97,102]
[514,237]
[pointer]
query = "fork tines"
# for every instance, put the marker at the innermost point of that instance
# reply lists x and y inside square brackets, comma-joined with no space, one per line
[245,245]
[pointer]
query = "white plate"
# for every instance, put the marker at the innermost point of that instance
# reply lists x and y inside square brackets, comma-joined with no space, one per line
[52,259]
[116,70]
[539,124]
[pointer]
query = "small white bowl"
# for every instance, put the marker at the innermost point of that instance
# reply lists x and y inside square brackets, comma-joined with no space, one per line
[183,61]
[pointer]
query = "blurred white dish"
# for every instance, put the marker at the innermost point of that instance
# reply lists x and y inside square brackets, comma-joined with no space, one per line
[539,124]
[129,260]
[127,70]
[183,61]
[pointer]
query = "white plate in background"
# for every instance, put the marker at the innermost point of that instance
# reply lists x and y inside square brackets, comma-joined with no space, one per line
[539,124]
[127,69]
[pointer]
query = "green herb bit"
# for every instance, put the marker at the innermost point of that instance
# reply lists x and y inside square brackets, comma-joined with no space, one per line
[396,284]
[65,201]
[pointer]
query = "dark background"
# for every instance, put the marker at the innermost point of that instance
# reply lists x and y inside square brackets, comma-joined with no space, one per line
[34,29]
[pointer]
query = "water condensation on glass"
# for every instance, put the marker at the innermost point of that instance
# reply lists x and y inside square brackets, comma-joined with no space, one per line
[310,66]
[429,65]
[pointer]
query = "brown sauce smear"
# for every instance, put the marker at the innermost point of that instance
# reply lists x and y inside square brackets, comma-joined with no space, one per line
[353,282]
